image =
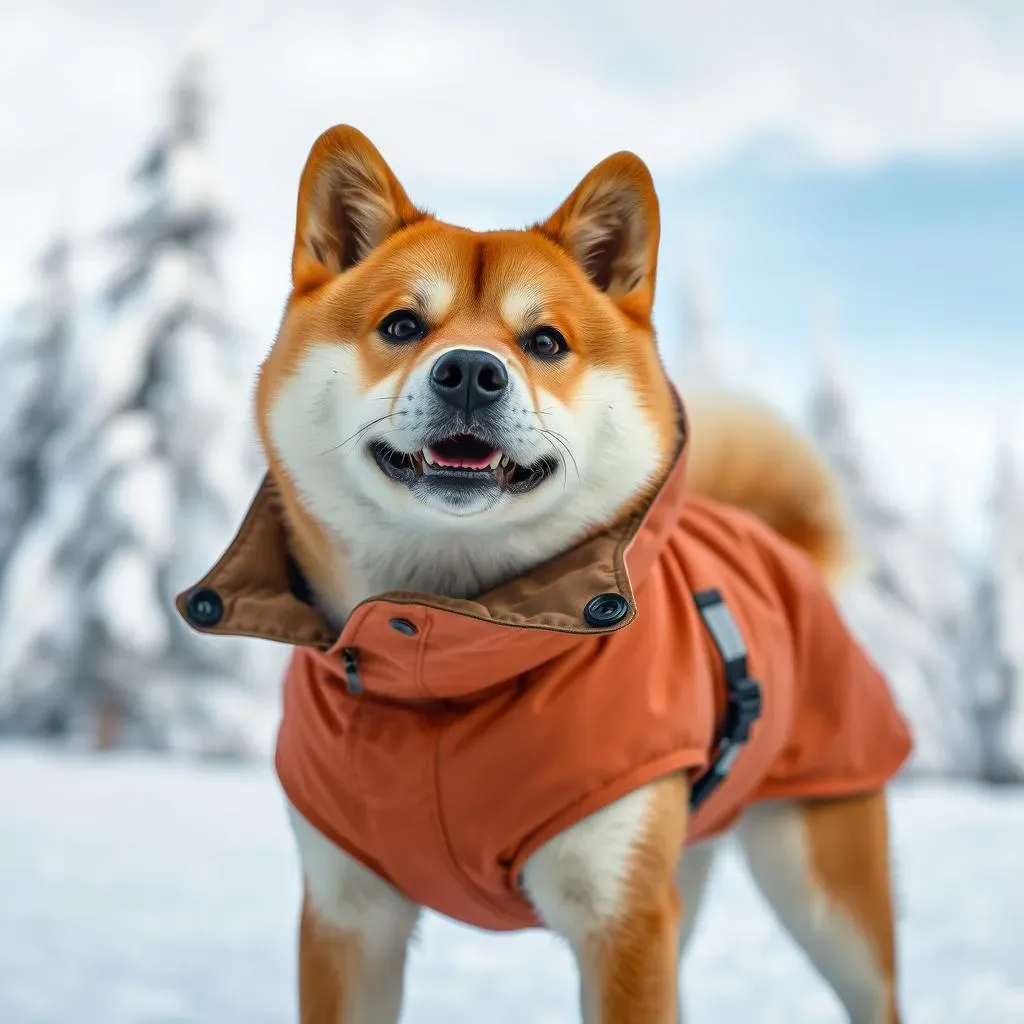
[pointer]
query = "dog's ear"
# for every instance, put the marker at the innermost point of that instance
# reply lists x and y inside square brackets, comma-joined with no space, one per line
[610,225]
[349,202]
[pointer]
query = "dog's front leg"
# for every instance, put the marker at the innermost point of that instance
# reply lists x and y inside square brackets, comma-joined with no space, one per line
[608,886]
[354,934]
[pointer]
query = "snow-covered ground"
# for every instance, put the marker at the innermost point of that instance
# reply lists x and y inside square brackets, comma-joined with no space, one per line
[135,891]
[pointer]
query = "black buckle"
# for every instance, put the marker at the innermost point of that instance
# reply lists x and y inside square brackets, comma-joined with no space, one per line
[743,708]
[743,695]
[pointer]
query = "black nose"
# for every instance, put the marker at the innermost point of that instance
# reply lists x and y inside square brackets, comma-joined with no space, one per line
[468,380]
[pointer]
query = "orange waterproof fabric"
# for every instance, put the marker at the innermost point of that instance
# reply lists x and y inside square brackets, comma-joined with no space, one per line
[475,741]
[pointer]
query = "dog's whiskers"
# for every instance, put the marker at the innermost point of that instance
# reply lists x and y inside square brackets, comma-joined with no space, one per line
[553,438]
[362,430]
[578,398]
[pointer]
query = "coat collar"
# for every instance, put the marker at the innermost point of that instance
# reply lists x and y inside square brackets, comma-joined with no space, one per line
[256,588]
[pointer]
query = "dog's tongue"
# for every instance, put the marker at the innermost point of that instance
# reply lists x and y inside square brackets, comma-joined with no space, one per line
[461,460]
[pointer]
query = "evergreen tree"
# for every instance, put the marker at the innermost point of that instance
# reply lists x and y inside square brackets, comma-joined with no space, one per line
[33,365]
[905,601]
[995,661]
[947,600]
[703,364]
[154,474]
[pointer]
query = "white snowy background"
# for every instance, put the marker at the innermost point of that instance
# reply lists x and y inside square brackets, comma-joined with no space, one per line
[843,201]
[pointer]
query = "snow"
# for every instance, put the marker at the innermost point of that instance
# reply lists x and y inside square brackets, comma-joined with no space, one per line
[141,891]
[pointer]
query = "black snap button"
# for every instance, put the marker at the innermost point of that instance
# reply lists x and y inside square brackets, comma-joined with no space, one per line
[204,607]
[404,626]
[606,609]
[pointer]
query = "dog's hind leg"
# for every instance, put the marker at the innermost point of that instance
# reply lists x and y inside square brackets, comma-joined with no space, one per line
[607,884]
[823,865]
[353,937]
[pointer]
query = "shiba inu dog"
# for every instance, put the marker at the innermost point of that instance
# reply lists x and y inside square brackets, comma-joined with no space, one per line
[537,605]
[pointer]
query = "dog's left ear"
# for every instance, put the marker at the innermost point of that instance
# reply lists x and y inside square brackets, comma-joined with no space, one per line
[610,225]
[349,202]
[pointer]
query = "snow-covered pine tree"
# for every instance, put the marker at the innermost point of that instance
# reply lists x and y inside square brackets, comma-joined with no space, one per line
[907,587]
[995,663]
[832,428]
[945,597]
[33,362]
[702,363]
[155,474]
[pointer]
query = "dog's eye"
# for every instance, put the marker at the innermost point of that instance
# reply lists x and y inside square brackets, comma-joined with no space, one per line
[546,343]
[402,326]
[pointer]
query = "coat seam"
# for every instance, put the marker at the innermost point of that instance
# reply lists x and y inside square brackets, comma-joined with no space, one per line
[479,893]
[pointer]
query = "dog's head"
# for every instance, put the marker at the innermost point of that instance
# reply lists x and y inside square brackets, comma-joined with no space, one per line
[497,392]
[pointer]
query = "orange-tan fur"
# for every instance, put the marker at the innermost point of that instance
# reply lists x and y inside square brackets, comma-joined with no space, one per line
[744,454]
[848,843]
[613,884]
[629,969]
[329,963]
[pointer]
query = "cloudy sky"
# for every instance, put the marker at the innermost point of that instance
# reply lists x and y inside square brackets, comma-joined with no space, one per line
[858,165]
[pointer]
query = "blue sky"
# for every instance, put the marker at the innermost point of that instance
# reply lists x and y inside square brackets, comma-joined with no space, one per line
[917,269]
[859,166]
[925,255]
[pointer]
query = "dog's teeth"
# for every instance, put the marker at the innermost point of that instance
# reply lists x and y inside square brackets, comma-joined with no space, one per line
[496,458]
[505,460]
[427,457]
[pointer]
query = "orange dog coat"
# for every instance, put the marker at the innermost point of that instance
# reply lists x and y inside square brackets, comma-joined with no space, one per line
[440,742]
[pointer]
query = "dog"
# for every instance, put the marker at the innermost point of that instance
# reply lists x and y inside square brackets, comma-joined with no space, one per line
[554,629]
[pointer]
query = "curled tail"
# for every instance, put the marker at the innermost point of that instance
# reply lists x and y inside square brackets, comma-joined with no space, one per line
[742,453]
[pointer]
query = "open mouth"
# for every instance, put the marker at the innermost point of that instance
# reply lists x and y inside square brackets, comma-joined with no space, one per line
[461,459]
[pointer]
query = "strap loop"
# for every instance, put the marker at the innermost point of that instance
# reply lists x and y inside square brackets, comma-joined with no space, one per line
[743,694]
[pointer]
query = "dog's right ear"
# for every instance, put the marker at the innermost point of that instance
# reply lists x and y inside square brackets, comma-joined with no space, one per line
[349,202]
[610,225]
